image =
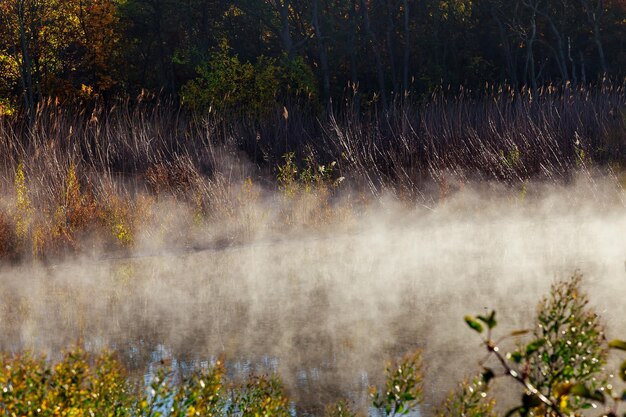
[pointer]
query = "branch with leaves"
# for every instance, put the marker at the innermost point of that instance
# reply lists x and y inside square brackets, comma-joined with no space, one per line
[561,369]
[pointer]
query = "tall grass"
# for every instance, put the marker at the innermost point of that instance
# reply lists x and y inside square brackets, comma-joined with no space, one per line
[503,135]
[98,166]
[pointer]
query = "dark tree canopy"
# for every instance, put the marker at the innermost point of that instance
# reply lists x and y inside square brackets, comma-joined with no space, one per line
[318,49]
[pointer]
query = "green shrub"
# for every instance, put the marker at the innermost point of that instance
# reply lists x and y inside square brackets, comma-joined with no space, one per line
[312,176]
[340,408]
[226,83]
[259,397]
[561,368]
[470,399]
[569,337]
[83,384]
[402,392]
[78,385]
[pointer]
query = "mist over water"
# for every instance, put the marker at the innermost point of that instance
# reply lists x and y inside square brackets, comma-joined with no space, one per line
[326,309]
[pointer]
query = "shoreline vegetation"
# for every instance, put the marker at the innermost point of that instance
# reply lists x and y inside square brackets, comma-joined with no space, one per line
[84,179]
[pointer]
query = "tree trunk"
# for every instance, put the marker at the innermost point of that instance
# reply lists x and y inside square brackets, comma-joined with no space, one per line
[26,72]
[390,46]
[530,59]
[322,53]
[379,64]
[352,44]
[559,53]
[506,50]
[165,70]
[407,48]
[583,73]
[598,41]
[593,16]
[285,32]
[571,60]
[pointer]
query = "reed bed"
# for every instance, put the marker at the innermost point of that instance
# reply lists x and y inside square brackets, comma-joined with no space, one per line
[99,169]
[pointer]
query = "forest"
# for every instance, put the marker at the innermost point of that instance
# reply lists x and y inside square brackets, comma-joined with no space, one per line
[224,54]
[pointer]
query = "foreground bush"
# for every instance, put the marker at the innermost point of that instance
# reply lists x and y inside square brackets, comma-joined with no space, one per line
[561,369]
[78,385]
[83,384]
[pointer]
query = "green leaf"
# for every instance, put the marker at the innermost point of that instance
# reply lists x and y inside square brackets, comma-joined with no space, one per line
[563,389]
[531,400]
[407,396]
[581,390]
[517,356]
[520,332]
[598,396]
[617,344]
[623,395]
[490,320]
[534,346]
[622,371]
[488,375]
[473,324]
[512,411]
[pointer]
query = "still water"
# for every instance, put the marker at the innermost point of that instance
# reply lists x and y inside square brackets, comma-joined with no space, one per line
[327,311]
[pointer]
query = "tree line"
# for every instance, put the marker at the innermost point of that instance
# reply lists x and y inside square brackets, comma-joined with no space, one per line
[217,53]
